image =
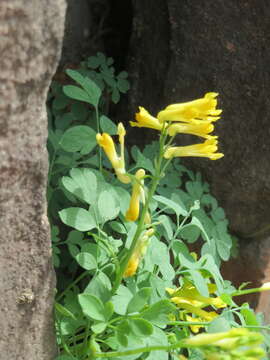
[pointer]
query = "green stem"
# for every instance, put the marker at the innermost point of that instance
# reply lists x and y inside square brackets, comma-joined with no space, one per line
[145,349]
[141,224]
[188,323]
[98,130]
[72,284]
[248,291]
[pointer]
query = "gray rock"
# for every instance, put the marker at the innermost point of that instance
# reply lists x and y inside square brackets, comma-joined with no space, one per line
[182,49]
[30,42]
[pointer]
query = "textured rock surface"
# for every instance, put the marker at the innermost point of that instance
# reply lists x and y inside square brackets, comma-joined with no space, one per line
[31,36]
[182,50]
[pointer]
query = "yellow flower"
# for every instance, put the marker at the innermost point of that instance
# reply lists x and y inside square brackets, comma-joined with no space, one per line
[189,299]
[202,129]
[206,149]
[193,309]
[118,162]
[138,253]
[229,340]
[132,265]
[194,328]
[200,109]
[137,193]
[144,119]
[189,294]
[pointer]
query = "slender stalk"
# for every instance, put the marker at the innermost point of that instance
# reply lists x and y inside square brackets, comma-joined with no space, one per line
[141,224]
[248,291]
[145,349]
[98,130]
[79,278]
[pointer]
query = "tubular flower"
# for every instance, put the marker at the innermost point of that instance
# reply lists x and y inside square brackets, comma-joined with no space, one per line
[206,149]
[137,189]
[228,340]
[194,328]
[200,109]
[202,129]
[191,301]
[188,293]
[144,119]
[138,253]
[118,162]
[205,315]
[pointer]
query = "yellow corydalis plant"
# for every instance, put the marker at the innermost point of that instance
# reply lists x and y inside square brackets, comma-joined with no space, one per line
[203,109]
[144,119]
[194,117]
[138,253]
[206,149]
[188,299]
[137,192]
[118,162]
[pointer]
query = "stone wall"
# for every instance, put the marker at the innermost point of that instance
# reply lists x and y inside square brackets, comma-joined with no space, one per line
[30,43]
[182,49]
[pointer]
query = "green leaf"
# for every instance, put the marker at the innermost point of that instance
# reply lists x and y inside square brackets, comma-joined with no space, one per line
[63,311]
[90,87]
[115,96]
[199,282]
[75,237]
[122,75]
[249,316]
[86,261]
[166,223]
[100,285]
[219,324]
[123,85]
[222,239]
[99,327]
[82,183]
[139,300]
[79,138]
[141,327]
[92,307]
[78,218]
[93,62]
[118,227]
[73,250]
[195,221]
[190,233]
[108,207]
[158,313]
[109,309]
[107,125]
[121,300]
[122,331]
[74,92]
[178,209]
[157,338]
[195,189]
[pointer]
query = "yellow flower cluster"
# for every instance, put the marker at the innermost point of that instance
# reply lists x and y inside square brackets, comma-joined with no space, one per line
[191,301]
[118,163]
[194,117]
